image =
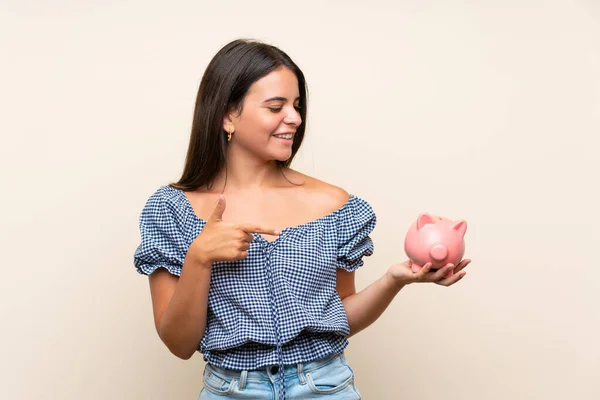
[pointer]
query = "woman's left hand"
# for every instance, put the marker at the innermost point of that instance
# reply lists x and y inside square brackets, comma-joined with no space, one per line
[402,273]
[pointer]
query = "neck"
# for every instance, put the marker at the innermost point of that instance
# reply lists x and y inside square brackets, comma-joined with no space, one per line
[243,173]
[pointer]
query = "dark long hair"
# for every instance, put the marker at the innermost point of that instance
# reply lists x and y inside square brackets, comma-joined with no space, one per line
[223,88]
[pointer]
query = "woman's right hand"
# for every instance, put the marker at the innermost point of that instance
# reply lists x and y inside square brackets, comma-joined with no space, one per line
[223,241]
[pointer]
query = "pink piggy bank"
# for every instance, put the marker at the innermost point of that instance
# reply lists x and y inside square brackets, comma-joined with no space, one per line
[434,239]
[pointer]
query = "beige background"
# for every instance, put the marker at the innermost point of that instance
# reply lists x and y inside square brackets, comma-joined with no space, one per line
[487,111]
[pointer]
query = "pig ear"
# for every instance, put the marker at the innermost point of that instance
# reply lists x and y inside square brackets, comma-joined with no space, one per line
[423,220]
[460,226]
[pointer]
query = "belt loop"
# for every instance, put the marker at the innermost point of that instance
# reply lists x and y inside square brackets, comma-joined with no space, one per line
[301,374]
[243,377]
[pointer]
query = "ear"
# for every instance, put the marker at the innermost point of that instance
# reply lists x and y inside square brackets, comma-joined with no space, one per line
[228,123]
[423,220]
[460,226]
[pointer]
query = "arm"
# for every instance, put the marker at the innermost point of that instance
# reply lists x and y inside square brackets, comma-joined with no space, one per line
[180,307]
[365,307]
[180,304]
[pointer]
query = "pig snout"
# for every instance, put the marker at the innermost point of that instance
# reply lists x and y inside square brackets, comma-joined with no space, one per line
[438,252]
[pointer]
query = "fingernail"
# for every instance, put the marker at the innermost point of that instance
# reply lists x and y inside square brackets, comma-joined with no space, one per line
[277,232]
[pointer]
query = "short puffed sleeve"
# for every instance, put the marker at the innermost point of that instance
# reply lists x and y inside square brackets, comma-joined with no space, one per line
[163,234]
[356,221]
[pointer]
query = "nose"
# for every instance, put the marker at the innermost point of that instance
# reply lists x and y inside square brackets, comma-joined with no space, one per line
[293,118]
[438,252]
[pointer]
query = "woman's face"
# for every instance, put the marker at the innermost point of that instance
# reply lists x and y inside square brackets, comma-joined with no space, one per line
[269,119]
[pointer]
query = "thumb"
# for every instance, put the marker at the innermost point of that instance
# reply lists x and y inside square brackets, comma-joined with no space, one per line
[217,214]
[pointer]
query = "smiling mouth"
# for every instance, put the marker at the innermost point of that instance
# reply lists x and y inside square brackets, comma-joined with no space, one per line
[285,136]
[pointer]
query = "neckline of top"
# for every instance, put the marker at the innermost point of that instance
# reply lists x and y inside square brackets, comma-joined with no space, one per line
[190,208]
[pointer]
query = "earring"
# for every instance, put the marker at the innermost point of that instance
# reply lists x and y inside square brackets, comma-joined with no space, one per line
[229,135]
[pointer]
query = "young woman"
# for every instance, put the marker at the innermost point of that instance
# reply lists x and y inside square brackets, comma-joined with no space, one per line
[251,262]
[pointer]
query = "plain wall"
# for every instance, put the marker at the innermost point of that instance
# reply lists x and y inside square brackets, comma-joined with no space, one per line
[486,111]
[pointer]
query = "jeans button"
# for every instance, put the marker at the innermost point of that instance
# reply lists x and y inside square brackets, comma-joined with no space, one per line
[274,370]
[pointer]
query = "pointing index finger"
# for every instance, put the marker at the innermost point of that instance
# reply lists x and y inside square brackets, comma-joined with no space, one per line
[259,229]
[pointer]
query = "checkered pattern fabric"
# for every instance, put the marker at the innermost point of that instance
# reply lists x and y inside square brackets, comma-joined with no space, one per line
[277,306]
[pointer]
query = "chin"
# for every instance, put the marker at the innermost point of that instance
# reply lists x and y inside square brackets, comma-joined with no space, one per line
[282,159]
[282,156]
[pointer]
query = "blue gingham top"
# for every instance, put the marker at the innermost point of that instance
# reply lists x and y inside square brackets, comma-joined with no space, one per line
[277,306]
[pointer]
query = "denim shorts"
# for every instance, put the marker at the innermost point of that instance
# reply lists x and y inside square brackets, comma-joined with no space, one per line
[330,377]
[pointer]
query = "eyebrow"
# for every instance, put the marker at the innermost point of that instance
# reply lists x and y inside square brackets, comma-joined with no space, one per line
[278,98]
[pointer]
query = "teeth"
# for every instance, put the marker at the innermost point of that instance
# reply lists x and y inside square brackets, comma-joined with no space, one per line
[288,136]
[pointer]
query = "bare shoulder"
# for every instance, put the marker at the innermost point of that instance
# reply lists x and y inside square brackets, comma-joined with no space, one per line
[203,202]
[326,196]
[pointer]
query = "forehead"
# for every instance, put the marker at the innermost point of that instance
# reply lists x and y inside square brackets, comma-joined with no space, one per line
[281,82]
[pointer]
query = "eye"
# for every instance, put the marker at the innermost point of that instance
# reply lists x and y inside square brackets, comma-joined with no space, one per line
[277,109]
